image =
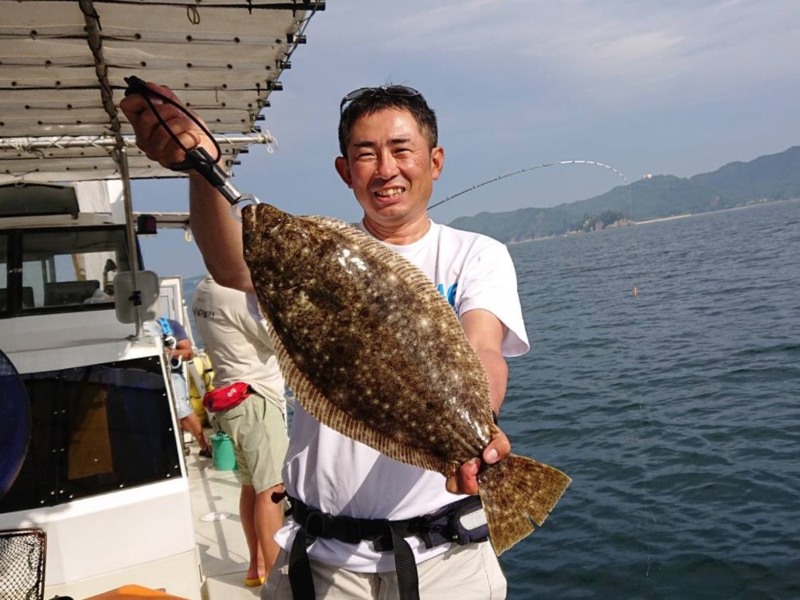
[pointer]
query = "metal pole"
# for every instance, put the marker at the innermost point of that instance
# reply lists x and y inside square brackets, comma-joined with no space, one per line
[133,255]
[31,144]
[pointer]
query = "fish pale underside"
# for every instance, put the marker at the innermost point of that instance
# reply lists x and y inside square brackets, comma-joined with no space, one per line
[372,350]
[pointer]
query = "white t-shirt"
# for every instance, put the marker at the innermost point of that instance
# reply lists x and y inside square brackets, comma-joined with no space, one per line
[235,336]
[343,477]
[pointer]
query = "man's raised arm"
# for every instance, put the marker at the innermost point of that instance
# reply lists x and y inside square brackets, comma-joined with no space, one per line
[218,234]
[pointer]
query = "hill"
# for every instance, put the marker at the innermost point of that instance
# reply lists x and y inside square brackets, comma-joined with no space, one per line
[766,178]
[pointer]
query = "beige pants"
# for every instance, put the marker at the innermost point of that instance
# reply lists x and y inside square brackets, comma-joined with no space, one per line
[469,572]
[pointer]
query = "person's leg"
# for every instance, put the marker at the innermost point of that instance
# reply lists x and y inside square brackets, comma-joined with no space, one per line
[268,519]
[191,423]
[247,511]
[259,436]
[231,423]
[187,418]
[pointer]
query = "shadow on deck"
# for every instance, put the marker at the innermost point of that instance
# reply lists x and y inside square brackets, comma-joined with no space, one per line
[218,530]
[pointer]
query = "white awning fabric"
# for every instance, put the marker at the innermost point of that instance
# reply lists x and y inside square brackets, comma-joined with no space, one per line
[62,64]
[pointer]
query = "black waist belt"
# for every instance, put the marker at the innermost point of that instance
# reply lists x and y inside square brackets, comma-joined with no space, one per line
[441,527]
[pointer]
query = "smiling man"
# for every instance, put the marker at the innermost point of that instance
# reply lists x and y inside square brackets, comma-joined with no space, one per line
[343,491]
[390,159]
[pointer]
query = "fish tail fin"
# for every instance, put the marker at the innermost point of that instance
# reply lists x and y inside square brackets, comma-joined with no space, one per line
[517,492]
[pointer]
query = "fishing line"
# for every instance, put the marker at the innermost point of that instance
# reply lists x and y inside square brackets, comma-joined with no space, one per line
[542,166]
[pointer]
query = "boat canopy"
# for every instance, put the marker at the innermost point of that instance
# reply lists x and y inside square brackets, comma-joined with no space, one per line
[64,62]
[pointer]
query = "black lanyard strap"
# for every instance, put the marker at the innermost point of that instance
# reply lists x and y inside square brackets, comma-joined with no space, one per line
[440,527]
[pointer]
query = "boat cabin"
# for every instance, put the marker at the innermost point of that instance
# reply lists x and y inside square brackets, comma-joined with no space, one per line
[102,472]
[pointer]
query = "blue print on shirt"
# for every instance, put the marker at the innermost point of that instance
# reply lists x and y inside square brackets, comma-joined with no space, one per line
[450,296]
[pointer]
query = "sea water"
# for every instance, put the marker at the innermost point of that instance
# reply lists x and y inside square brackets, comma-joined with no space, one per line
[664,378]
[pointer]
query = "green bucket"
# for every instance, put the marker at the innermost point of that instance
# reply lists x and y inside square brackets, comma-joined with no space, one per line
[224,458]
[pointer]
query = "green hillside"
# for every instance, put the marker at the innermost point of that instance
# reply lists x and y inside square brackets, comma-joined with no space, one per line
[767,178]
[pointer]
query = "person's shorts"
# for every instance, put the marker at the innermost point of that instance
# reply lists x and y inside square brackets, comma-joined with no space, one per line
[257,429]
[180,393]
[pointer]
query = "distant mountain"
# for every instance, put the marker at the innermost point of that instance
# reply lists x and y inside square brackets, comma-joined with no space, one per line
[767,178]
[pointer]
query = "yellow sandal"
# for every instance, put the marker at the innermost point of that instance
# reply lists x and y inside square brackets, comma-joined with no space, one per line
[254,581]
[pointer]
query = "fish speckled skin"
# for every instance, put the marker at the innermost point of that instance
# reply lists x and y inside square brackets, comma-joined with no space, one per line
[372,350]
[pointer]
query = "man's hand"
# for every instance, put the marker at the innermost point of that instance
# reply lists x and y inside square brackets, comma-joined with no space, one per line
[218,236]
[183,349]
[151,136]
[466,480]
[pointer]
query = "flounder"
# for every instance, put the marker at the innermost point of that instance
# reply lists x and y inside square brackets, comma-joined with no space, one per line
[372,350]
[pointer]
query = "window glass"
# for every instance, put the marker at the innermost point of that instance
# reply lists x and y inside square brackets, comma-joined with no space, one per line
[72,267]
[95,429]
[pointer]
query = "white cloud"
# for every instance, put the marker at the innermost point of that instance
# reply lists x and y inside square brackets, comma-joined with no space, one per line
[614,52]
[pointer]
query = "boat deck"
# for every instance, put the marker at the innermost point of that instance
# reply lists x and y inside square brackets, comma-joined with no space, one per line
[218,529]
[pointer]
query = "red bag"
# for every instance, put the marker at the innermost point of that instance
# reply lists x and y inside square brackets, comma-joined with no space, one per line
[226,397]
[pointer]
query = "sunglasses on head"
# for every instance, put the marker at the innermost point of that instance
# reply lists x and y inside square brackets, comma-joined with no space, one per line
[389,90]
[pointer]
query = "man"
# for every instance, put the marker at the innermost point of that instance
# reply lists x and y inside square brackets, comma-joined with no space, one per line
[390,159]
[179,348]
[235,336]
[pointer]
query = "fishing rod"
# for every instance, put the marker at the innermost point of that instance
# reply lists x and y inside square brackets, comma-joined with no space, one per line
[200,160]
[534,168]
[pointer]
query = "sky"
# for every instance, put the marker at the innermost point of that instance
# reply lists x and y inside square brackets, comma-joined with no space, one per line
[644,86]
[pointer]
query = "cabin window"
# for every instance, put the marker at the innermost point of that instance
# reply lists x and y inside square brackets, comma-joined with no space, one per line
[95,429]
[61,269]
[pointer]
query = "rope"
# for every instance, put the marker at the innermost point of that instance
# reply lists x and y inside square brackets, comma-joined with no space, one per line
[95,41]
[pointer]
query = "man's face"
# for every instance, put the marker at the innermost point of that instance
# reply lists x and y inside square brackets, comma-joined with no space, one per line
[390,167]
